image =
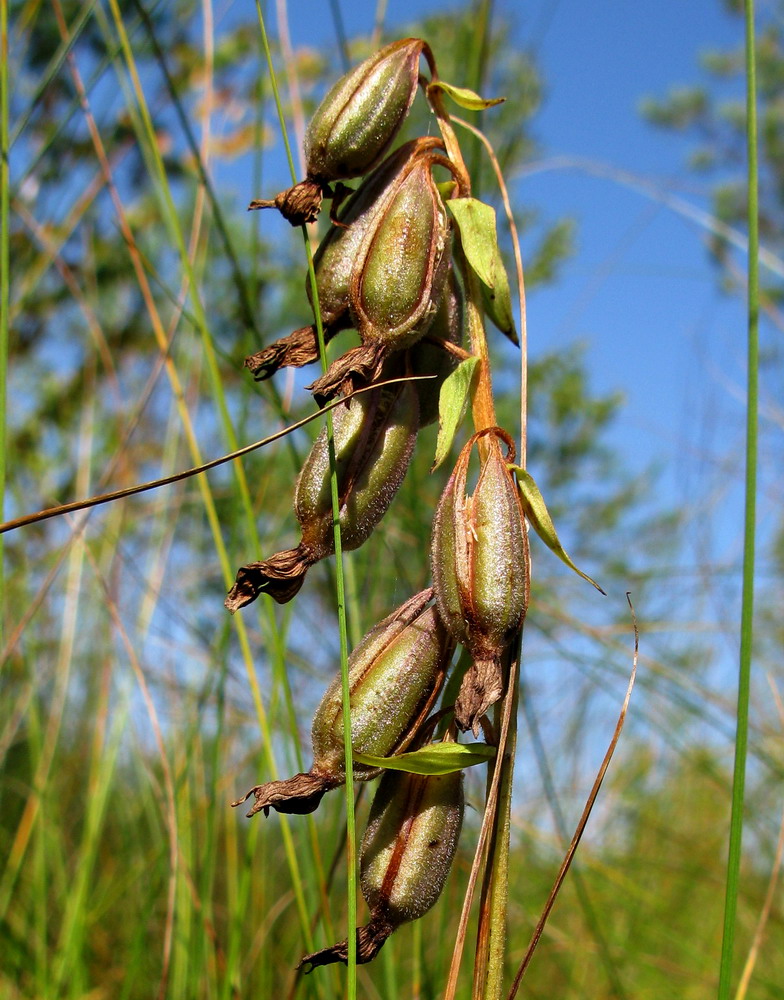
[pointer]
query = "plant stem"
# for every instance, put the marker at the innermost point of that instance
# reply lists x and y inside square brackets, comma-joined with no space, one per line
[483,408]
[5,237]
[351,835]
[747,606]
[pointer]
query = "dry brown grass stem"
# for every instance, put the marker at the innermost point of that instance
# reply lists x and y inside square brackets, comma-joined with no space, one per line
[578,833]
[520,281]
[70,508]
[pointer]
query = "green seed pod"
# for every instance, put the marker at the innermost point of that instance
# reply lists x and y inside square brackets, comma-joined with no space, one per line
[356,122]
[395,676]
[335,259]
[428,357]
[374,440]
[354,126]
[398,276]
[406,855]
[481,575]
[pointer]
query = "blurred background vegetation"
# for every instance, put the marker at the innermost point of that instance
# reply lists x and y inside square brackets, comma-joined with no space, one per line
[134,709]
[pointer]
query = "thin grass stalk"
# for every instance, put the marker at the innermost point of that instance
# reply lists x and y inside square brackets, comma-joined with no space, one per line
[207,497]
[50,734]
[169,804]
[173,222]
[580,887]
[5,290]
[154,484]
[53,68]
[351,836]
[244,292]
[747,601]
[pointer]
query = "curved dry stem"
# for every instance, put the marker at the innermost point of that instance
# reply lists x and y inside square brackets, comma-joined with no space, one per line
[578,833]
[520,281]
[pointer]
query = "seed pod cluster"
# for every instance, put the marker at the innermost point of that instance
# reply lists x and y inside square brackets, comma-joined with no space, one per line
[336,259]
[384,269]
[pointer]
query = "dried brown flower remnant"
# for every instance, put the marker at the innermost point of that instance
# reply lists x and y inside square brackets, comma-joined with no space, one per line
[395,675]
[336,259]
[406,855]
[398,277]
[481,573]
[353,127]
[374,440]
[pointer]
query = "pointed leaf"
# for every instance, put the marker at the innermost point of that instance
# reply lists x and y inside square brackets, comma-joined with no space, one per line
[476,222]
[435,758]
[477,225]
[452,404]
[537,513]
[466,98]
[498,302]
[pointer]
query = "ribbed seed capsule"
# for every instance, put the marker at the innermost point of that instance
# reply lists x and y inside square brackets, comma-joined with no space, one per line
[374,439]
[427,357]
[354,126]
[406,855]
[481,576]
[335,260]
[398,276]
[395,676]
[356,122]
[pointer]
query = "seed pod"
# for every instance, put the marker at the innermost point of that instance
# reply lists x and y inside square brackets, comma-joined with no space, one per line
[398,277]
[428,357]
[374,440]
[335,259]
[481,576]
[356,122]
[395,676]
[406,854]
[354,126]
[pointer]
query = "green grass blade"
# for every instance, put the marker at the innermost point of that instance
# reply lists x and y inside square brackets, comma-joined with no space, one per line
[351,846]
[747,607]
[54,67]
[5,291]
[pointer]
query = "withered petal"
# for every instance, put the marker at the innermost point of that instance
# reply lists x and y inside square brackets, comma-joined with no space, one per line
[370,940]
[481,688]
[298,795]
[298,205]
[280,576]
[356,368]
[297,349]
